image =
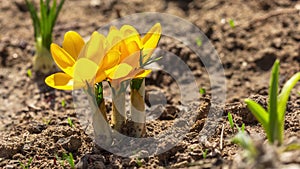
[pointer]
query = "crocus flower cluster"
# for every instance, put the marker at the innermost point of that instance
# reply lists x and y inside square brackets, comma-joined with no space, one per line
[117,58]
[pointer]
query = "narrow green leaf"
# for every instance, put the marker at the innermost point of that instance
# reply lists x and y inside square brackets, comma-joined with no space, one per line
[259,113]
[282,101]
[231,23]
[202,91]
[272,107]
[285,93]
[199,41]
[58,10]
[34,17]
[229,116]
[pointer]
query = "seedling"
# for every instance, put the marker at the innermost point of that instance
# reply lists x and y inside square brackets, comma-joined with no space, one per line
[27,165]
[199,41]
[272,119]
[244,140]
[139,162]
[46,121]
[70,122]
[43,28]
[202,91]
[204,153]
[29,73]
[231,23]
[63,103]
[69,159]
[230,120]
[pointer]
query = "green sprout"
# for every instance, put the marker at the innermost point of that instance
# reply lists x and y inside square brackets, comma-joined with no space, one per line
[230,120]
[61,161]
[139,162]
[199,41]
[244,140]
[70,122]
[27,165]
[272,119]
[29,73]
[202,91]
[231,23]
[204,153]
[68,157]
[43,28]
[242,128]
[63,103]
[46,121]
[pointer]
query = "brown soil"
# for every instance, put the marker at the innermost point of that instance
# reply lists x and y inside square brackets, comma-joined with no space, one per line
[33,123]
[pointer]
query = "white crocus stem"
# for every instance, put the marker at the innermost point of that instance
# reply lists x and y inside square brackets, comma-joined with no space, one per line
[137,110]
[101,127]
[42,60]
[119,112]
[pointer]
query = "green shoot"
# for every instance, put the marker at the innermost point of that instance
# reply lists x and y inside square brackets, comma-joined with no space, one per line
[230,119]
[139,162]
[69,159]
[43,28]
[29,73]
[242,129]
[299,93]
[272,119]
[63,103]
[204,153]
[199,41]
[244,140]
[70,122]
[292,147]
[61,161]
[202,91]
[27,165]
[46,121]
[231,23]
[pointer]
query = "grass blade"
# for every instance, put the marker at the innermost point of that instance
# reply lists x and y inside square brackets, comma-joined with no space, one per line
[34,17]
[282,101]
[272,107]
[259,113]
[285,93]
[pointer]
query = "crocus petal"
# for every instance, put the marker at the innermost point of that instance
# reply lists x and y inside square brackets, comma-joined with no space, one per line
[129,33]
[120,71]
[84,71]
[133,60]
[133,47]
[62,58]
[94,48]
[150,41]
[142,74]
[111,59]
[73,43]
[113,39]
[60,81]
[100,76]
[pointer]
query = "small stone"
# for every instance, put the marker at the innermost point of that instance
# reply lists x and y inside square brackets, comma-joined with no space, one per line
[70,144]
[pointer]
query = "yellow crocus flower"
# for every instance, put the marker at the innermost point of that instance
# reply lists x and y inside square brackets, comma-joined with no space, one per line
[80,62]
[130,44]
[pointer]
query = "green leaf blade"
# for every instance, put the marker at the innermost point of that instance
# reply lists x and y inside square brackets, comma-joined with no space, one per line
[272,106]
[259,113]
